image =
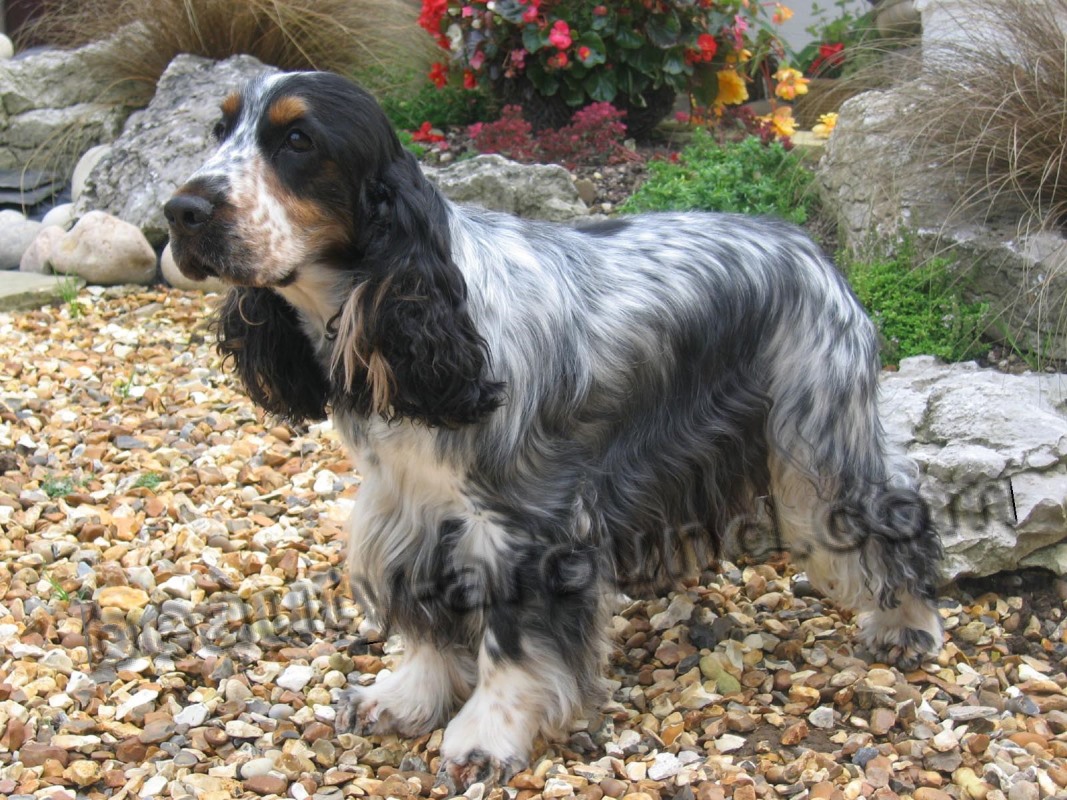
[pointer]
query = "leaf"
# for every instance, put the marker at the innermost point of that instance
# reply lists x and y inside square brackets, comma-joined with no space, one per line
[674,63]
[511,10]
[596,49]
[601,86]
[628,39]
[705,84]
[533,38]
[664,30]
[572,93]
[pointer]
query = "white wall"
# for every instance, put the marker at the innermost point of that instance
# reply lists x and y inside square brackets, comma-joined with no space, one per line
[793,31]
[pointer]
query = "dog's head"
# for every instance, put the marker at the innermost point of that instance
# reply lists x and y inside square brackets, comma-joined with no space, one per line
[298,156]
[340,254]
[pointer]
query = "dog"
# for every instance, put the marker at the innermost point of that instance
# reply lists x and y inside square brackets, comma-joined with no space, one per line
[544,416]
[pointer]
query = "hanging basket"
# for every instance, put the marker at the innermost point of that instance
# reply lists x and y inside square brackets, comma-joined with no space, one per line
[552,112]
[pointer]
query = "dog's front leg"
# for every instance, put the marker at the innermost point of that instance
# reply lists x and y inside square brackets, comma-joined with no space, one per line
[539,667]
[420,696]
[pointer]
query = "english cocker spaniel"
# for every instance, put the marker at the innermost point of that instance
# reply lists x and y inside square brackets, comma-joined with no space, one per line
[543,415]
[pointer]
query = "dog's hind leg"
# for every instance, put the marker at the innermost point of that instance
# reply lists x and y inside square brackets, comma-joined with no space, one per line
[848,509]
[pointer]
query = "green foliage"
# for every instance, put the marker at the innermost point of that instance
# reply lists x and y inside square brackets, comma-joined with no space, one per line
[450,106]
[57,487]
[68,291]
[409,143]
[842,27]
[917,305]
[744,177]
[149,480]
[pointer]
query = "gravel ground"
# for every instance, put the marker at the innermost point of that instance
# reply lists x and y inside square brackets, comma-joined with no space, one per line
[173,622]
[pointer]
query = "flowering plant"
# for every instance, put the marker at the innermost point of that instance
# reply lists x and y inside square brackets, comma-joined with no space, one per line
[594,52]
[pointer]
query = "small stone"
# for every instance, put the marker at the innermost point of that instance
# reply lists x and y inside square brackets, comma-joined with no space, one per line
[929,793]
[665,765]
[266,784]
[126,598]
[822,717]
[83,773]
[882,721]
[555,787]
[239,729]
[193,715]
[729,742]
[794,734]
[295,677]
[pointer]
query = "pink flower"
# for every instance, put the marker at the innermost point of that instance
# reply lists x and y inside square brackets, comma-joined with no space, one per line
[560,37]
[531,12]
[477,60]
[467,11]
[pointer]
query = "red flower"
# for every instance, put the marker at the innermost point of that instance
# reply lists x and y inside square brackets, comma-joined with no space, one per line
[439,75]
[469,81]
[584,53]
[708,47]
[433,11]
[600,11]
[830,56]
[560,37]
[558,60]
[425,133]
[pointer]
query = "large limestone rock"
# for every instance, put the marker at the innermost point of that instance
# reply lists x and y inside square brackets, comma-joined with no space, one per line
[161,146]
[875,181]
[535,191]
[16,235]
[104,250]
[52,108]
[992,449]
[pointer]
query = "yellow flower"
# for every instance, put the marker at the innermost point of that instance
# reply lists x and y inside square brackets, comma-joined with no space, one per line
[825,126]
[791,82]
[781,14]
[781,121]
[732,89]
[741,56]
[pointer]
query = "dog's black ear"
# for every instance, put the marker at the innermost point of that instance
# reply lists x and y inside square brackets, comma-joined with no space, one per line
[261,333]
[406,330]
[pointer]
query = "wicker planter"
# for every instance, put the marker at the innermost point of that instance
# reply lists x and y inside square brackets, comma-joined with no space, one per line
[552,112]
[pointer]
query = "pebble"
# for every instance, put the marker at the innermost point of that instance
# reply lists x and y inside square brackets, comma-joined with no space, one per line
[822,717]
[201,531]
[295,677]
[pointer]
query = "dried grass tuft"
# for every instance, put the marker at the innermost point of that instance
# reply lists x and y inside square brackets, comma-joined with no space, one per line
[344,36]
[992,105]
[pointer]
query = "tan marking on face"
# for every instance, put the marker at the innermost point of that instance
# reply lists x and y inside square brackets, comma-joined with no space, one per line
[286,110]
[232,104]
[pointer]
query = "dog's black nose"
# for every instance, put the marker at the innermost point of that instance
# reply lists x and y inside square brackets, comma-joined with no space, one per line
[187,212]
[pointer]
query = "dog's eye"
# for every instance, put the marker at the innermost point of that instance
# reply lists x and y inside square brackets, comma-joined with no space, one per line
[219,131]
[298,141]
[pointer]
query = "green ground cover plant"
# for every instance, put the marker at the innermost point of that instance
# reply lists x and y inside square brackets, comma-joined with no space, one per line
[745,177]
[917,304]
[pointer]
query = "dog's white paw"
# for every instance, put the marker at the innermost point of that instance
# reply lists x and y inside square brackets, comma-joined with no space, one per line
[906,636]
[459,773]
[410,702]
